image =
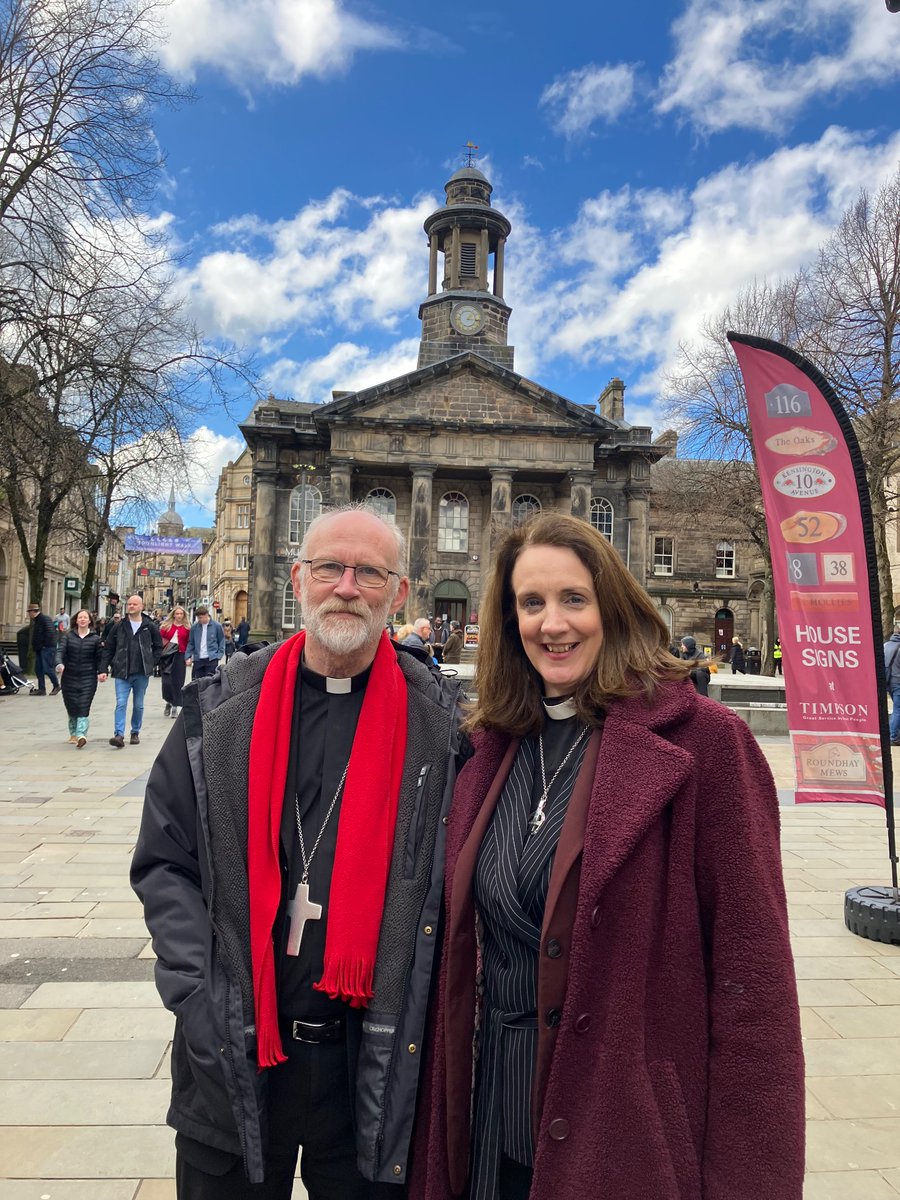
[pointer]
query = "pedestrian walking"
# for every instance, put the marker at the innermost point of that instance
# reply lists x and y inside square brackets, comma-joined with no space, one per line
[79,669]
[293,898]
[738,660]
[61,625]
[174,633]
[42,638]
[131,651]
[454,643]
[206,644]
[892,679]
[616,1013]
[230,643]
[242,633]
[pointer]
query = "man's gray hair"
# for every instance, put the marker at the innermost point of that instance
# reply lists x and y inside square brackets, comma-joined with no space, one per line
[356,507]
[421,623]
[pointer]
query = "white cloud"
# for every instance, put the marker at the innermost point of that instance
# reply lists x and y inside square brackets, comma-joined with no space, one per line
[638,270]
[347,367]
[208,452]
[579,99]
[756,65]
[268,41]
[314,270]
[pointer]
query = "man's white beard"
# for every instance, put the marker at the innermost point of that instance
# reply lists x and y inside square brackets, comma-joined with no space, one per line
[341,637]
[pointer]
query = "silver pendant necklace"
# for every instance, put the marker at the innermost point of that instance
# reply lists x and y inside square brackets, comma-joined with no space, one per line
[301,909]
[539,816]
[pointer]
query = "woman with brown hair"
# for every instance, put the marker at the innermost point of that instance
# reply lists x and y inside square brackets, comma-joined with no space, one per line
[79,656]
[616,944]
[174,633]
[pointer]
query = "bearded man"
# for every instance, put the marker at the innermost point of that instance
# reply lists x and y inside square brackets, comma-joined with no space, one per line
[290,862]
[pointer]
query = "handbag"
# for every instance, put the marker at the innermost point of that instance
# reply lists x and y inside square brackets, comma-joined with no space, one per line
[167,658]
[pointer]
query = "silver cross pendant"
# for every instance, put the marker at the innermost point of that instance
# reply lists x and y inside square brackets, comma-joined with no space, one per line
[300,910]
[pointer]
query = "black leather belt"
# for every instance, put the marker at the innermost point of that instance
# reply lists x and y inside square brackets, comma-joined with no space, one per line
[316,1033]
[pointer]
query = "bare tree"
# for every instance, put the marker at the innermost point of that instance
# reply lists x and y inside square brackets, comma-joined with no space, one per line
[79,80]
[705,399]
[99,391]
[855,287]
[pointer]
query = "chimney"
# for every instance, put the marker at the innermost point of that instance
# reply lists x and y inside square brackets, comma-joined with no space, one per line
[612,401]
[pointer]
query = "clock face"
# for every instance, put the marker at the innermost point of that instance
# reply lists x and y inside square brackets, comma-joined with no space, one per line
[467,318]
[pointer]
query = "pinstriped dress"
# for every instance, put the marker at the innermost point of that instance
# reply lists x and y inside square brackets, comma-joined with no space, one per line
[512,876]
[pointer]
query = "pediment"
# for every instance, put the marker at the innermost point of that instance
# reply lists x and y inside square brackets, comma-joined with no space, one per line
[466,390]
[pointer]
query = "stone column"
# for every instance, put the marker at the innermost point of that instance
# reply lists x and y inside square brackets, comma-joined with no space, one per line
[484,256]
[638,518]
[580,482]
[454,257]
[262,581]
[501,505]
[498,267]
[420,541]
[340,473]
[432,264]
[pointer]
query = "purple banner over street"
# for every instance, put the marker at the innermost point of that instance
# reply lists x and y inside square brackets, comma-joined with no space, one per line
[817,509]
[163,545]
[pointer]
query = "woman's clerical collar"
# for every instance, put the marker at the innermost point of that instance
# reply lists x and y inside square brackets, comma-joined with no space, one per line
[335,687]
[559,708]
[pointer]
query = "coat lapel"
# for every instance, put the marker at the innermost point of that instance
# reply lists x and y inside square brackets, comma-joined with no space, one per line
[638,773]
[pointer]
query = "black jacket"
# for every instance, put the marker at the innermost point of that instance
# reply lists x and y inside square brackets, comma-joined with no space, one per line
[119,645]
[82,657]
[42,633]
[189,870]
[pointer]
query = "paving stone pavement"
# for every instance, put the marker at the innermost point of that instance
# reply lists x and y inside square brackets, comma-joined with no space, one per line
[84,1041]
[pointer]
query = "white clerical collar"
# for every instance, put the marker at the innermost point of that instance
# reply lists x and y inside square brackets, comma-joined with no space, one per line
[560,709]
[333,685]
[338,687]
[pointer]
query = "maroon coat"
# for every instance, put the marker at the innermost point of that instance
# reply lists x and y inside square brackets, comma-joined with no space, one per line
[676,1071]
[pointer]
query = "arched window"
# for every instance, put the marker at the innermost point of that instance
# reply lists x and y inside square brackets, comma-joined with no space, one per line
[288,608]
[668,615]
[306,504]
[724,560]
[602,516]
[384,503]
[453,523]
[524,508]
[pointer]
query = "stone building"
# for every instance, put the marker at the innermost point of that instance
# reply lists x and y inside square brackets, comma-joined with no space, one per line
[456,451]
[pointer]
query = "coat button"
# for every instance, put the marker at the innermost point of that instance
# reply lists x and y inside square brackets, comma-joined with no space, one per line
[559,1129]
[595,917]
[554,949]
[553,1018]
[583,1023]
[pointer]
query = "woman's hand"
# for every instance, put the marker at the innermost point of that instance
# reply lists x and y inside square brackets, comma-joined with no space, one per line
[102,677]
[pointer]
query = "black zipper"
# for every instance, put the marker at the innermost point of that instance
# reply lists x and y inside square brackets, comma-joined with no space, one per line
[416,824]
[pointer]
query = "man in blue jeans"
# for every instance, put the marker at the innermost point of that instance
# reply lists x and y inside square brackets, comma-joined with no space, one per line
[892,678]
[132,651]
[206,644]
[43,643]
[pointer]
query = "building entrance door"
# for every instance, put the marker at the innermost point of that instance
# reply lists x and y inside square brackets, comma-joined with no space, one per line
[723,632]
[452,597]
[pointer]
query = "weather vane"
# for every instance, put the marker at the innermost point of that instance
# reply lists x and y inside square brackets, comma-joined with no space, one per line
[471,157]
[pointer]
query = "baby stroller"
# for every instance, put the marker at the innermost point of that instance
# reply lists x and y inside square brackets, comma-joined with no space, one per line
[12,677]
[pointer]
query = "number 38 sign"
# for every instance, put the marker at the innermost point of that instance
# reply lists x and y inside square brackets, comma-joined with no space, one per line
[819,523]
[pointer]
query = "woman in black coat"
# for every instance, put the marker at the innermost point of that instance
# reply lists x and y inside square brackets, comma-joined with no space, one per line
[738,659]
[79,655]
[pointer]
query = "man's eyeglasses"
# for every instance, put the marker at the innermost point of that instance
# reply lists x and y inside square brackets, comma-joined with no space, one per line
[326,570]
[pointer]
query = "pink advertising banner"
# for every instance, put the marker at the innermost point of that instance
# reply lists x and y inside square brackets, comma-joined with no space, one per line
[823,561]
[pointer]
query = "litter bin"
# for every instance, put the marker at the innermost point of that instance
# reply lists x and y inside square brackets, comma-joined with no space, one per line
[753,659]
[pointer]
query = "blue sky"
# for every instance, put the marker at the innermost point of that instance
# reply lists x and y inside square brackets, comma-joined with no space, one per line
[653,159]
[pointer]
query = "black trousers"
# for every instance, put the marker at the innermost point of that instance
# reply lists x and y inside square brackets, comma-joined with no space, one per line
[310,1115]
[202,667]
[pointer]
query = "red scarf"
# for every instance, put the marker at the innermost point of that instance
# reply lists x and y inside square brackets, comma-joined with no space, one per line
[365,834]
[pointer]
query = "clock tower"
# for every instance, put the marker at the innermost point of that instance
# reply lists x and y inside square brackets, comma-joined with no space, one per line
[466,312]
